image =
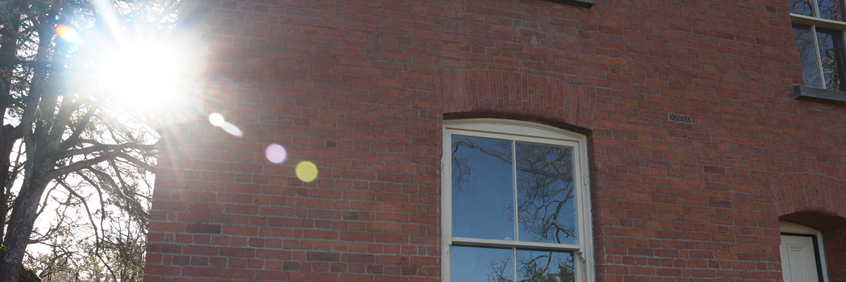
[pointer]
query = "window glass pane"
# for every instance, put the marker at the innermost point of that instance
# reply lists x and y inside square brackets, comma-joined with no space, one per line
[831,9]
[482,188]
[545,196]
[545,266]
[802,7]
[831,47]
[470,264]
[807,53]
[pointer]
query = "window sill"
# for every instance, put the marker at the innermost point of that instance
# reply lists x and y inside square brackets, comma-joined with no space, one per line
[580,3]
[813,94]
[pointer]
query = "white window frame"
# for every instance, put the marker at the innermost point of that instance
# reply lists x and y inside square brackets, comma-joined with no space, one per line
[535,133]
[814,22]
[789,227]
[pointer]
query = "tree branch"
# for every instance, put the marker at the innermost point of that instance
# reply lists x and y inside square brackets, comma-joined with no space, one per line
[80,127]
[507,159]
[136,161]
[105,148]
[52,174]
[61,120]
[8,55]
[120,193]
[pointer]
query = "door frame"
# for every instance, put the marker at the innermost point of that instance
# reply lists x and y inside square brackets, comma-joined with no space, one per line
[793,229]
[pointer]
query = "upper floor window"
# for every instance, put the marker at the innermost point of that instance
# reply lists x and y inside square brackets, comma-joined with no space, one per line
[516,203]
[818,27]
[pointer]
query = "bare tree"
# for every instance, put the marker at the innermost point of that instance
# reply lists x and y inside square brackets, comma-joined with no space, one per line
[69,139]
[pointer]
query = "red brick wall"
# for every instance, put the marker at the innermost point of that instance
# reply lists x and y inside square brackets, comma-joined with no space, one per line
[360,88]
[835,251]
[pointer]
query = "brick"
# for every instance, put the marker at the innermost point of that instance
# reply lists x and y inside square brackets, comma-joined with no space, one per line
[361,89]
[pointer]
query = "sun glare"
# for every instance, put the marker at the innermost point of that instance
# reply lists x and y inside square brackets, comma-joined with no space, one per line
[142,75]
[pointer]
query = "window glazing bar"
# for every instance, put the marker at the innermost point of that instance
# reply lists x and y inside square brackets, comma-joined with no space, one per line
[514,190]
[473,242]
[514,264]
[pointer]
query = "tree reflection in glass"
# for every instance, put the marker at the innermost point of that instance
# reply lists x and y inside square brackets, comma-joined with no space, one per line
[807,53]
[471,264]
[830,9]
[545,203]
[545,266]
[532,266]
[831,49]
[482,181]
[802,7]
[545,193]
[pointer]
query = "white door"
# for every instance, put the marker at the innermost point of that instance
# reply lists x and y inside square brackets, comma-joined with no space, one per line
[799,259]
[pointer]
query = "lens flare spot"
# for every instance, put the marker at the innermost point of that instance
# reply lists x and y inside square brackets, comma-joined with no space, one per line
[216,119]
[275,153]
[306,171]
[231,129]
[67,33]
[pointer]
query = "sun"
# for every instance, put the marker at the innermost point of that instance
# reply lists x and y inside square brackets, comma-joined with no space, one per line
[146,75]
[139,61]
[137,69]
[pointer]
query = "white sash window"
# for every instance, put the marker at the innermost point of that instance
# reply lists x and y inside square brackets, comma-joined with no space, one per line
[516,204]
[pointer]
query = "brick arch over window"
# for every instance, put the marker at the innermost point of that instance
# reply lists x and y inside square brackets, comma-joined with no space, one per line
[819,202]
[515,95]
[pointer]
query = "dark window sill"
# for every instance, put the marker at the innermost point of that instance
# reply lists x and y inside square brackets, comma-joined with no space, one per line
[819,95]
[580,3]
